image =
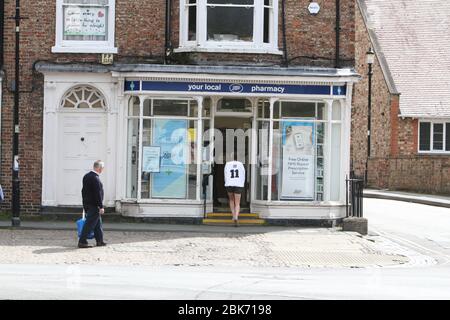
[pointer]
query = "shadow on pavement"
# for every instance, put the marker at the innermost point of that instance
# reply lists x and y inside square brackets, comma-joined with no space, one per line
[55,250]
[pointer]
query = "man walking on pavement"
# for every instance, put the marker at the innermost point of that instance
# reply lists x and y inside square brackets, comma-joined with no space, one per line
[92,193]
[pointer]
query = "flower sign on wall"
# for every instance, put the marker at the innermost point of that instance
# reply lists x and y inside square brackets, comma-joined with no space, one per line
[84,21]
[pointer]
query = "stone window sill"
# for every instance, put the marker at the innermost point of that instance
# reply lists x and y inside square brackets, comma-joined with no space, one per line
[96,49]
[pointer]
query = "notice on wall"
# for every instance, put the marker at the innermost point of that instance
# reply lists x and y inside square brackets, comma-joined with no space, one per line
[298,161]
[84,21]
[151,157]
[172,137]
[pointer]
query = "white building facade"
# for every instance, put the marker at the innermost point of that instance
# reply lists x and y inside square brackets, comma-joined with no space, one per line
[162,131]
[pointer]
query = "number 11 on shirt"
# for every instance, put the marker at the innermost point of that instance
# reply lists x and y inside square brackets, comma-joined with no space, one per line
[234,173]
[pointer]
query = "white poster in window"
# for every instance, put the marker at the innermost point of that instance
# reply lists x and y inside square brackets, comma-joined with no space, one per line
[151,157]
[298,161]
[84,21]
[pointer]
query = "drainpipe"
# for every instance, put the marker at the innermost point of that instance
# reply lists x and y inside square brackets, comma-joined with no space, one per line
[2,22]
[338,30]
[168,45]
[15,203]
[283,23]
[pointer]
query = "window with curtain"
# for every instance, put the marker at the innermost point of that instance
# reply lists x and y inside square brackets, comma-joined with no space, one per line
[85,26]
[238,24]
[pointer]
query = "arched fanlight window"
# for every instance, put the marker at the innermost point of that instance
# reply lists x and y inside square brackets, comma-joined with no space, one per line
[83,97]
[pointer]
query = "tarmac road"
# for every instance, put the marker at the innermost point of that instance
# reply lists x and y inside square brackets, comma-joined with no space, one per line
[418,231]
[186,283]
[423,228]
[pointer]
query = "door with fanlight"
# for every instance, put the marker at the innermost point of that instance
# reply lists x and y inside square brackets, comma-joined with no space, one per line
[82,141]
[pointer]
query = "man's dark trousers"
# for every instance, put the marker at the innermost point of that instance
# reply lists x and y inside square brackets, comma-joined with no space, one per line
[93,222]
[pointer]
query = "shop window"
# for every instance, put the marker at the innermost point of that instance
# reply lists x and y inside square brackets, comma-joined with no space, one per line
[335,163]
[170,107]
[320,160]
[162,149]
[83,97]
[207,157]
[234,105]
[306,149]
[298,109]
[85,26]
[217,25]
[434,137]
[262,164]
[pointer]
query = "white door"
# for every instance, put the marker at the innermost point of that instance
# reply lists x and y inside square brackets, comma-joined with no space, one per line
[82,139]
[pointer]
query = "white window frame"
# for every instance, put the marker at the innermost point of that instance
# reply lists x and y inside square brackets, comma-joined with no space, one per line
[201,44]
[327,151]
[432,123]
[199,121]
[70,46]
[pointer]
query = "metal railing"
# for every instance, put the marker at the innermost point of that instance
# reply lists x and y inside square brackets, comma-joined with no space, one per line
[354,196]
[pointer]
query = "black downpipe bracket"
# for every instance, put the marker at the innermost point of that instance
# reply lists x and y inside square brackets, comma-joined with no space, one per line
[283,24]
[168,44]
[338,33]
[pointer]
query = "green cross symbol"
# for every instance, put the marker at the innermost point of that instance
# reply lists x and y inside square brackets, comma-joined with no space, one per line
[169,172]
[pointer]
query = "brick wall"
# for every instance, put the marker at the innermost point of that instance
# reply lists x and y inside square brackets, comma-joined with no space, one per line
[428,174]
[140,37]
[380,110]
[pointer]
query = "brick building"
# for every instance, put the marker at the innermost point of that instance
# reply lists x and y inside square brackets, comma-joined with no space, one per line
[410,144]
[195,67]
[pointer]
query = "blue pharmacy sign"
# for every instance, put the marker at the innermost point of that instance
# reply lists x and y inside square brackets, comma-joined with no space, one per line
[238,88]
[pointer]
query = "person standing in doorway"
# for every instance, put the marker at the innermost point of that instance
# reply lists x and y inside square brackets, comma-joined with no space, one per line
[92,193]
[234,184]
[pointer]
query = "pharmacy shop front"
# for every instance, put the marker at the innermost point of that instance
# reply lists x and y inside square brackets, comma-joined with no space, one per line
[165,133]
[291,132]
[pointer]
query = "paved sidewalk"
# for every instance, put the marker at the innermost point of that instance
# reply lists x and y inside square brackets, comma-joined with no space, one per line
[433,200]
[142,226]
[196,245]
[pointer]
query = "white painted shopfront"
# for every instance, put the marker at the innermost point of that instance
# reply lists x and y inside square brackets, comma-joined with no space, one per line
[161,128]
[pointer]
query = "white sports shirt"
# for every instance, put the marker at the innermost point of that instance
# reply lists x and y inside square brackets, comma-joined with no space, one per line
[234,174]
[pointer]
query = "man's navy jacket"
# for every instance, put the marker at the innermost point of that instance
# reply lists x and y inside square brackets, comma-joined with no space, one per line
[92,191]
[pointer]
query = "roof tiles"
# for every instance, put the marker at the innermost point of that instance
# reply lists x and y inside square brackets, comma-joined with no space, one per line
[414,37]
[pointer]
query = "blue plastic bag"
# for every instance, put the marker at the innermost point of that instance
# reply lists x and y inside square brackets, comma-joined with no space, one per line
[80,224]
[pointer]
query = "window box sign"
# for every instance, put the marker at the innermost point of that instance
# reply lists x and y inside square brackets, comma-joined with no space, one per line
[151,157]
[236,88]
[84,21]
[298,161]
[171,180]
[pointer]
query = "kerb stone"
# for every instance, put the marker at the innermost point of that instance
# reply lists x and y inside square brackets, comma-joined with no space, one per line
[359,225]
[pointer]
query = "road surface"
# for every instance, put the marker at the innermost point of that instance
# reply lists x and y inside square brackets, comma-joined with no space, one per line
[422,232]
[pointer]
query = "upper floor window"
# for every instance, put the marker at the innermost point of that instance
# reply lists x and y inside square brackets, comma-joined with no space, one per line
[85,26]
[229,25]
[434,137]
